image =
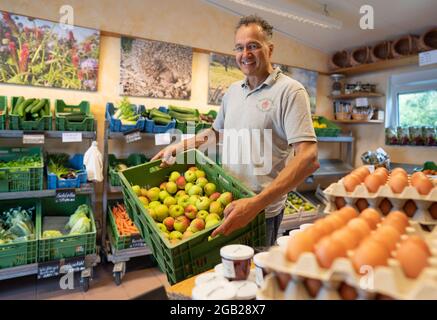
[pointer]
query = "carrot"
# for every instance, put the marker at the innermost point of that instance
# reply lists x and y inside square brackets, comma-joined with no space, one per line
[125,226]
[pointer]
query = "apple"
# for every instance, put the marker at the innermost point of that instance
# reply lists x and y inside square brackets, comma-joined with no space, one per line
[154,204]
[163,194]
[161,212]
[173,176]
[144,200]
[201,182]
[195,190]
[180,182]
[181,223]
[193,199]
[200,174]
[187,234]
[176,211]
[190,211]
[216,207]
[136,189]
[175,241]
[169,201]
[162,185]
[171,187]
[202,214]
[162,227]
[190,176]
[214,196]
[225,198]
[212,216]
[151,213]
[211,222]
[203,203]
[180,193]
[193,169]
[153,194]
[209,188]
[197,225]
[183,201]
[144,192]
[188,187]
[165,235]
[175,235]
[168,222]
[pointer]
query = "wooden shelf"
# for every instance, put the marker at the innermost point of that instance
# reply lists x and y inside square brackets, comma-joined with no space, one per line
[357,95]
[379,66]
[358,121]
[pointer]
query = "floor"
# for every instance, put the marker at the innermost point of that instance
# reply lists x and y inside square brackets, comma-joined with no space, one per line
[141,277]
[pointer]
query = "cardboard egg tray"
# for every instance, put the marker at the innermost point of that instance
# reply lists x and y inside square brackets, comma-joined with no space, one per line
[397,200]
[387,280]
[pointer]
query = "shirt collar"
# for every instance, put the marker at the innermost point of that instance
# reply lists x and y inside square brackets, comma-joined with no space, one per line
[269,81]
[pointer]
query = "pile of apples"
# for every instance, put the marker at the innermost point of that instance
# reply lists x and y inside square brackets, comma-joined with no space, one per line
[185,204]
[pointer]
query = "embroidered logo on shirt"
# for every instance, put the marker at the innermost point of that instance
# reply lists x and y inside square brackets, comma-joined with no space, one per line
[265,105]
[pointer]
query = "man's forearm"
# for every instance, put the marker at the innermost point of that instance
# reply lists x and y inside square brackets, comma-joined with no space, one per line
[199,139]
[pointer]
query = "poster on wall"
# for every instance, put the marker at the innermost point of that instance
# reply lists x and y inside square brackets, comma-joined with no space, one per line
[155,69]
[223,71]
[306,77]
[43,53]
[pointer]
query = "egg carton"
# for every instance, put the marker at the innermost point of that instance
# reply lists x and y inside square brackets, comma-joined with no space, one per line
[397,201]
[388,280]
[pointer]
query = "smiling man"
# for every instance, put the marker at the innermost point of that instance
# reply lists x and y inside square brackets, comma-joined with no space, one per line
[267,111]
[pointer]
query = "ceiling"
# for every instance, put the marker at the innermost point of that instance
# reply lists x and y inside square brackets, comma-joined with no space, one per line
[392,18]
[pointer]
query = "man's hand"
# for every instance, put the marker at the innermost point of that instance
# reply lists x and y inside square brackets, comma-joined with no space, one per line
[168,154]
[237,215]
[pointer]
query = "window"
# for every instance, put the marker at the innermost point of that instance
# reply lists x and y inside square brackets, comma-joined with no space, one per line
[418,109]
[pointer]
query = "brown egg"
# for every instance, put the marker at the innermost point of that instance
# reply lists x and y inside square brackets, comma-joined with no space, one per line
[373,182]
[314,233]
[412,258]
[359,227]
[298,244]
[339,202]
[336,221]
[348,213]
[363,172]
[347,292]
[327,250]
[398,220]
[323,227]
[385,206]
[313,286]
[384,170]
[424,186]
[388,236]
[399,170]
[415,177]
[370,253]
[398,183]
[433,210]
[350,182]
[410,208]
[361,204]
[419,242]
[371,216]
[347,237]
[357,175]
[382,177]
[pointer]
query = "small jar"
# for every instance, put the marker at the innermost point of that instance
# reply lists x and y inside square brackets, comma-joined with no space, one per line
[283,241]
[216,290]
[236,259]
[261,271]
[209,277]
[246,290]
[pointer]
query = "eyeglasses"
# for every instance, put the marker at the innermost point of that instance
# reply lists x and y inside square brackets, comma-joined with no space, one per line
[251,47]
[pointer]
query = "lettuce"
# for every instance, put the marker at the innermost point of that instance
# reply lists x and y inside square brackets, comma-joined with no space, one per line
[82,225]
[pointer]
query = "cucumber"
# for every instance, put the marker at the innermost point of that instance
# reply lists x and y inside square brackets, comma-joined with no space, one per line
[38,106]
[23,106]
[161,121]
[30,106]
[46,109]
[185,110]
[35,115]
[183,117]
[156,113]
[75,118]
[17,103]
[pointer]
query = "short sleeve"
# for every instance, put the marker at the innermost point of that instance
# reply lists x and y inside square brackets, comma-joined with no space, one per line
[219,121]
[297,122]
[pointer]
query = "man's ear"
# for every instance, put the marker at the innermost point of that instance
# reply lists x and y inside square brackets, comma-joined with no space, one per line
[271,47]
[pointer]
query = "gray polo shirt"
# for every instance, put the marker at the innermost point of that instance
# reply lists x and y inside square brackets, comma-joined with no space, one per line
[259,126]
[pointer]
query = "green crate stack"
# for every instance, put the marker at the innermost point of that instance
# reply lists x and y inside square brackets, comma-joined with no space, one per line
[63,124]
[67,246]
[24,252]
[14,179]
[196,254]
[132,160]
[16,123]
[4,112]
[330,131]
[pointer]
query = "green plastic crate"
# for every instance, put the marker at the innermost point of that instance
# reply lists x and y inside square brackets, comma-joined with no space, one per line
[62,124]
[196,254]
[67,246]
[21,178]
[133,160]
[4,112]
[331,131]
[25,252]
[121,242]
[183,126]
[16,123]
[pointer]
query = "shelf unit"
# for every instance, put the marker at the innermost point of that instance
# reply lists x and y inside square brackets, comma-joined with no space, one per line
[358,121]
[356,95]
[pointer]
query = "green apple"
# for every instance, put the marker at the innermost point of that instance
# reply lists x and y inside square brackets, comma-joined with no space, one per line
[197,225]
[203,203]
[200,174]
[181,223]
[144,200]
[168,222]
[225,198]
[180,193]
[190,212]
[169,201]
[211,222]
[209,188]
[153,194]
[190,176]
[202,214]
[195,190]
[136,189]
[216,207]
[162,227]
[183,201]
[162,185]
[173,176]
[171,187]
[144,192]
[175,235]
[162,195]
[181,182]
[152,213]
[193,199]
[161,212]
[212,216]
[188,187]
[176,211]
[201,182]
[154,204]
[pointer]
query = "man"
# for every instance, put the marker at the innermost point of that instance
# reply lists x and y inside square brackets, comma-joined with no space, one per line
[277,108]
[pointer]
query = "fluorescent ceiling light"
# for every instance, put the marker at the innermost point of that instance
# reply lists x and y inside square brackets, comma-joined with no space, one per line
[292,12]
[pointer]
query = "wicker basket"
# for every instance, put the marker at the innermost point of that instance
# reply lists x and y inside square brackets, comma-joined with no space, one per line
[361,116]
[343,116]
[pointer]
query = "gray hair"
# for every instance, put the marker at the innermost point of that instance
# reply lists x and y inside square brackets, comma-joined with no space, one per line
[254,19]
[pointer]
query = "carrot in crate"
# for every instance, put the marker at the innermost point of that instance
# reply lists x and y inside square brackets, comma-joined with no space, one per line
[125,226]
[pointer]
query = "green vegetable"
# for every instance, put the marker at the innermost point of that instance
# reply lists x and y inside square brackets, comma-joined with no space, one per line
[81,226]
[38,106]
[162,121]
[16,225]
[126,111]
[156,113]
[51,234]
[184,110]
[81,212]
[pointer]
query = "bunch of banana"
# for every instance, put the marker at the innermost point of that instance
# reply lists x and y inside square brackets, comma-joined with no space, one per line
[31,109]
[160,118]
[184,114]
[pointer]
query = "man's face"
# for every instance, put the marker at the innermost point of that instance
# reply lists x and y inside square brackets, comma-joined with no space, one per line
[253,52]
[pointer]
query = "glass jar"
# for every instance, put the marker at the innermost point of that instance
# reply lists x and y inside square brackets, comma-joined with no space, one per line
[236,259]
[215,290]
[416,137]
[403,135]
[261,271]
[429,135]
[337,85]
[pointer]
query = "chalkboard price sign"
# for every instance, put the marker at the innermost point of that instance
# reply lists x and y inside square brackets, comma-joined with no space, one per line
[54,268]
[137,241]
[65,195]
[132,135]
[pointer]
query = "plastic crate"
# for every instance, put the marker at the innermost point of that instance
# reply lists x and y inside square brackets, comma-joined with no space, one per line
[187,127]
[4,112]
[76,163]
[115,124]
[67,246]
[133,160]
[16,123]
[61,122]
[21,178]
[196,254]
[121,242]
[330,131]
[151,127]
[24,252]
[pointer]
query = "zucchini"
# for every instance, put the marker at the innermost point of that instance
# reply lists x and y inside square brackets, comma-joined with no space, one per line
[23,106]
[38,106]
[184,110]
[17,103]
[183,117]
[156,113]
[75,118]
[30,106]
[161,121]
[46,109]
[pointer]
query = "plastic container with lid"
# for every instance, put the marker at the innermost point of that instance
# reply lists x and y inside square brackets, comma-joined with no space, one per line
[209,277]
[293,232]
[236,259]
[260,268]
[215,290]
[282,241]
[304,226]
[246,290]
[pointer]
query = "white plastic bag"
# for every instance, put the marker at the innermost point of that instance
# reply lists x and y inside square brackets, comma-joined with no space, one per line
[93,161]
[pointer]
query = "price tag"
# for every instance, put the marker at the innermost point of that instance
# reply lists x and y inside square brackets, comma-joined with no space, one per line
[54,268]
[162,139]
[65,195]
[33,138]
[187,136]
[137,241]
[132,136]
[71,137]
[428,57]
[361,102]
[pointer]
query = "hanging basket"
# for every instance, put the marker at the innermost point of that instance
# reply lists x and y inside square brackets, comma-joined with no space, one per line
[382,51]
[341,59]
[428,40]
[361,56]
[405,46]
